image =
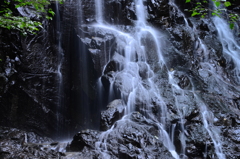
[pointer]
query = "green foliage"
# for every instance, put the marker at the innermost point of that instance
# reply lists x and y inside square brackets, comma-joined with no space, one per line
[25,25]
[201,10]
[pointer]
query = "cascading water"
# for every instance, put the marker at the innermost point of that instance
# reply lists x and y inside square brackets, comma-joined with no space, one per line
[138,71]
[230,46]
[207,115]
[60,60]
[208,119]
[148,80]
[136,53]
[227,40]
[180,99]
[83,90]
[99,11]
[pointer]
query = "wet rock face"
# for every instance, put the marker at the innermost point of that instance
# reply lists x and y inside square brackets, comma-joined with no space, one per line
[114,112]
[120,12]
[231,136]
[97,41]
[89,10]
[29,81]
[157,10]
[132,137]
[29,87]
[15,143]
[195,67]
[84,139]
[193,55]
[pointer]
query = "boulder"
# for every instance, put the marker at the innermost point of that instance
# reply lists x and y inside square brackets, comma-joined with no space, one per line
[132,137]
[115,111]
[15,143]
[86,138]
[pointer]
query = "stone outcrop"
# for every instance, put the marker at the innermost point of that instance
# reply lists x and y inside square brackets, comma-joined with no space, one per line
[29,81]
[193,52]
[16,143]
[136,138]
[198,84]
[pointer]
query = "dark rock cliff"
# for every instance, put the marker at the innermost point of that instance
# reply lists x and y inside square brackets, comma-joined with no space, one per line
[185,55]
[30,97]
[29,85]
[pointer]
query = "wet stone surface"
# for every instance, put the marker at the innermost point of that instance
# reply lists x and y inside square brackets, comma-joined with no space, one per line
[131,137]
[15,143]
[194,96]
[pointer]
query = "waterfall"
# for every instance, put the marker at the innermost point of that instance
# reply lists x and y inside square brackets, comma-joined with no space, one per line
[208,119]
[130,78]
[180,98]
[85,109]
[59,67]
[207,115]
[99,11]
[230,47]
[137,68]
[137,52]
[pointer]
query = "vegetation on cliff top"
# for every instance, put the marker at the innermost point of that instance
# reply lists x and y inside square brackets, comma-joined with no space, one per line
[10,18]
[218,8]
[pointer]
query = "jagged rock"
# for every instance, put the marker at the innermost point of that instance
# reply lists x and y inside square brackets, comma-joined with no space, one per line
[85,138]
[195,78]
[234,135]
[114,112]
[97,41]
[27,68]
[15,143]
[144,71]
[198,140]
[190,82]
[88,6]
[231,142]
[158,11]
[112,66]
[120,12]
[134,136]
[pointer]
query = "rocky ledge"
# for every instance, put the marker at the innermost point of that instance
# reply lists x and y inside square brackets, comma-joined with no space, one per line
[18,144]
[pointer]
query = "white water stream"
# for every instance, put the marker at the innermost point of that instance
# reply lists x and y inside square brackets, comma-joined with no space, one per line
[60,60]
[230,47]
[134,53]
[134,50]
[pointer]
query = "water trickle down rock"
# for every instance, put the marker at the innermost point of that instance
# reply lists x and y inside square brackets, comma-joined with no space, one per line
[193,56]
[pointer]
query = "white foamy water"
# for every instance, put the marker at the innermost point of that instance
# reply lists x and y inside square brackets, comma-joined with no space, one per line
[230,47]
[134,48]
[140,51]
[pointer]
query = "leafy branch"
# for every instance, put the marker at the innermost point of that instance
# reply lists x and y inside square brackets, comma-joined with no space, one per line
[201,10]
[25,25]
